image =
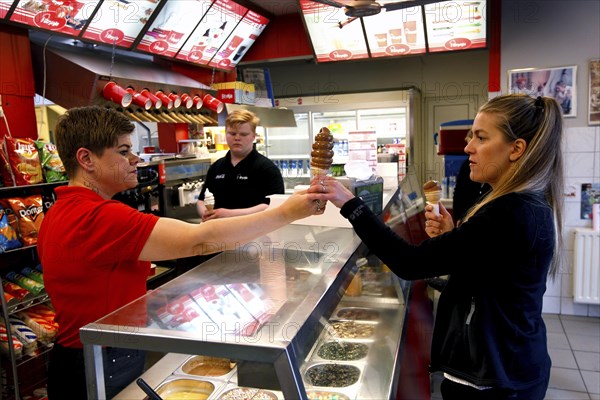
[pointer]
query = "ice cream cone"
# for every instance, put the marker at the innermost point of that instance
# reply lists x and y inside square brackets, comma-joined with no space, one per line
[320,171]
[433,194]
[433,198]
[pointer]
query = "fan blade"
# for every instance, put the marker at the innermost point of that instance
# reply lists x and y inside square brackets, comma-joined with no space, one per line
[407,4]
[329,3]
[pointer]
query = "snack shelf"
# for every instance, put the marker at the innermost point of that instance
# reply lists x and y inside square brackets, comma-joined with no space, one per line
[282,290]
[24,304]
[15,260]
[51,185]
[44,349]
[33,246]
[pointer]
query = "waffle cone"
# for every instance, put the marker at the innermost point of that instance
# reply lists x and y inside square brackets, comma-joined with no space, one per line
[320,171]
[433,197]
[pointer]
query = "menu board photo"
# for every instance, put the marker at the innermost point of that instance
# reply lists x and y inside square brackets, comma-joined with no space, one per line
[172,27]
[240,40]
[4,7]
[119,23]
[455,25]
[212,31]
[396,33]
[67,17]
[334,37]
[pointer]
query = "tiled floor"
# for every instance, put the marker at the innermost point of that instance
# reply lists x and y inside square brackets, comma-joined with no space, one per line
[574,346]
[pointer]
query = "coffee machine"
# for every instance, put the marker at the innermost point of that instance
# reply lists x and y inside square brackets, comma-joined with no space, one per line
[168,187]
[145,197]
[183,180]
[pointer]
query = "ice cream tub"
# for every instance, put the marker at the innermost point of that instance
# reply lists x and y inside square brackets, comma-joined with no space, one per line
[233,392]
[357,314]
[178,388]
[350,330]
[343,377]
[214,367]
[325,395]
[341,350]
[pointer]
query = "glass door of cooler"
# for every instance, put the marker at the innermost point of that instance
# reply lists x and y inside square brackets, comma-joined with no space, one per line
[389,123]
[289,148]
[339,123]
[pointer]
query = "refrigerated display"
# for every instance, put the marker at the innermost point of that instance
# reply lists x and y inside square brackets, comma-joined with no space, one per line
[289,148]
[303,311]
[275,308]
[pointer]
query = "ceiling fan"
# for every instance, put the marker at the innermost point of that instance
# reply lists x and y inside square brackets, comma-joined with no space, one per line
[362,8]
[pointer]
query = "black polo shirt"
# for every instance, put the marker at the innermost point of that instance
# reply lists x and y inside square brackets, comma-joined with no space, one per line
[245,185]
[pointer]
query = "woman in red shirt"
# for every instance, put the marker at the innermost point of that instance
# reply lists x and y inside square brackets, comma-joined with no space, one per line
[96,252]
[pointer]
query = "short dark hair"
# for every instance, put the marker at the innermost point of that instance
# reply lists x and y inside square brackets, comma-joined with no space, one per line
[94,128]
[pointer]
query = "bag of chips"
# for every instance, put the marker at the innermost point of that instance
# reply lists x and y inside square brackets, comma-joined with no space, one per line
[4,344]
[24,161]
[16,291]
[54,170]
[30,214]
[8,236]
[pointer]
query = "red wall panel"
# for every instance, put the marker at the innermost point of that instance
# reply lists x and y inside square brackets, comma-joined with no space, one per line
[16,83]
[284,37]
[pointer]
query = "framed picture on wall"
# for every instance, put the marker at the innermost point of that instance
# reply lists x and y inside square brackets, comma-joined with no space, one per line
[594,100]
[558,82]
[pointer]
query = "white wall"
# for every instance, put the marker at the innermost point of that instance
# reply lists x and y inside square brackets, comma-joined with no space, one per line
[554,33]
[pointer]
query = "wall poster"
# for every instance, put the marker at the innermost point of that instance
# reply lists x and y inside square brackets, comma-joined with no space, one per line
[594,100]
[559,82]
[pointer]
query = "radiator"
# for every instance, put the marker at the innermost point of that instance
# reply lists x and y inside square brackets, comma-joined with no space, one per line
[586,266]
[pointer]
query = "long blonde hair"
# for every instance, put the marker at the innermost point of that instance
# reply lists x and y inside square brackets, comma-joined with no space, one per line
[540,169]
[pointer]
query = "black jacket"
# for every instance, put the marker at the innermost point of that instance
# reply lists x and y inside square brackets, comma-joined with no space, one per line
[489,328]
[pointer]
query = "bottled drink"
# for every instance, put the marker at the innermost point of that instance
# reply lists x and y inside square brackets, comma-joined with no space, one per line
[293,168]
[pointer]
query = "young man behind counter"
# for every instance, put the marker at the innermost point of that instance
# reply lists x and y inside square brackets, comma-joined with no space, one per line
[241,181]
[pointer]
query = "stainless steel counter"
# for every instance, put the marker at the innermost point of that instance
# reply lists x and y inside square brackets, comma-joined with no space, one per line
[271,303]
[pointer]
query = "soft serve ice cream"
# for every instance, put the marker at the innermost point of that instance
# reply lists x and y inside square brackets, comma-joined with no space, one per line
[321,156]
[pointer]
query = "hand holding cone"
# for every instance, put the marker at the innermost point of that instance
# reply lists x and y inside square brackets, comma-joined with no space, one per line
[433,194]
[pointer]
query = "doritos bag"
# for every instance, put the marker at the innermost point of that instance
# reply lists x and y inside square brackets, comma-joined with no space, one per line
[24,161]
[54,170]
[30,214]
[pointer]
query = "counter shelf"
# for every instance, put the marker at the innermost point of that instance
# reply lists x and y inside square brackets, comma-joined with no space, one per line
[290,280]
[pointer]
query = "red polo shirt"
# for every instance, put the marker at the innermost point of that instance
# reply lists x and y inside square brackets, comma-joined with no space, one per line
[89,249]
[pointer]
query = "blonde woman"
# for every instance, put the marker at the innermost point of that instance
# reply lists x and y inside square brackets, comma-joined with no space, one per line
[489,338]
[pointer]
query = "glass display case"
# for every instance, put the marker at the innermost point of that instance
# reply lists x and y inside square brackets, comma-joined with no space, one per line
[279,309]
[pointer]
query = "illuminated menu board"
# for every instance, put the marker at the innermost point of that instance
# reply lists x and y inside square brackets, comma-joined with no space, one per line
[118,22]
[330,42]
[4,7]
[172,27]
[396,33]
[453,25]
[238,43]
[66,16]
[212,31]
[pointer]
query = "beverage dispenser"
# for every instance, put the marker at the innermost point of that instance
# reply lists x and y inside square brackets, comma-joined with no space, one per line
[451,145]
